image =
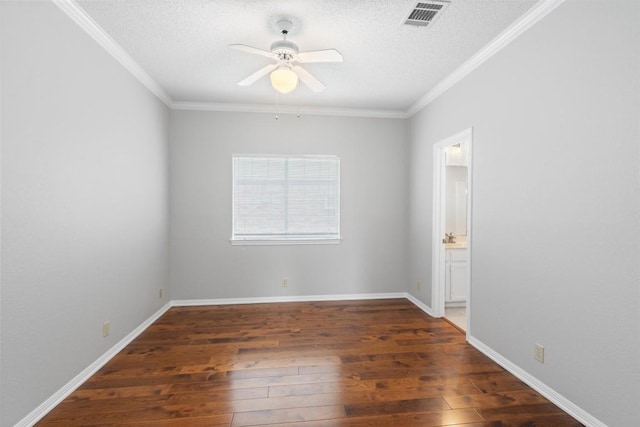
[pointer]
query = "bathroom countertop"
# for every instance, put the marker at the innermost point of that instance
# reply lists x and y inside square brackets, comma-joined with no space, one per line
[460,243]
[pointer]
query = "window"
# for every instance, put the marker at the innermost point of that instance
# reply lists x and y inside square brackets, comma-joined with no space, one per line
[286,199]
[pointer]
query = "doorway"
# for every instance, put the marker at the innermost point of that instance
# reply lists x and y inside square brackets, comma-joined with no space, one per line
[451,246]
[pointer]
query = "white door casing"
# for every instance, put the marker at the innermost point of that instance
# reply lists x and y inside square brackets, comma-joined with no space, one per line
[438,278]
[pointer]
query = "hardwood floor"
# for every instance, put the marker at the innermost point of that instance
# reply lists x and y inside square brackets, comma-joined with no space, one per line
[343,363]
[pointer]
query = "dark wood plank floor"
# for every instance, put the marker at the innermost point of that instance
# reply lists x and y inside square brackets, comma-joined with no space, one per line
[343,363]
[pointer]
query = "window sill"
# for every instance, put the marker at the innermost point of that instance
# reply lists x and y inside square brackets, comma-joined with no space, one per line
[277,242]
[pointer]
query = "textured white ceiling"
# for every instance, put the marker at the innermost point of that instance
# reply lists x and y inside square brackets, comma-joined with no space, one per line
[182,45]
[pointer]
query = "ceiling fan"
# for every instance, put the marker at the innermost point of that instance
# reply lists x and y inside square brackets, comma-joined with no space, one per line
[286,72]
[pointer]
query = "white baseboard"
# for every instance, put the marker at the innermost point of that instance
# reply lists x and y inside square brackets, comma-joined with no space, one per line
[422,306]
[46,406]
[566,405]
[455,304]
[303,298]
[42,410]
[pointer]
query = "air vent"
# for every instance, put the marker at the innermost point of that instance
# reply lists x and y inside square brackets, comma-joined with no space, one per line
[425,13]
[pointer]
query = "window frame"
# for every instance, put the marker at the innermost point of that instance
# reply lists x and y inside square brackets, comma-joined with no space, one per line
[293,240]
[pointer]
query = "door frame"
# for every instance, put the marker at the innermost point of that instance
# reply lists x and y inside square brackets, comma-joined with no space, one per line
[438,225]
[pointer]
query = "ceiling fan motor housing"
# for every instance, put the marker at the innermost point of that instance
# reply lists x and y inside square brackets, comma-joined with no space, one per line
[284,49]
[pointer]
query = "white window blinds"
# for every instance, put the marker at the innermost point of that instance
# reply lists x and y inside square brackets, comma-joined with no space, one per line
[286,197]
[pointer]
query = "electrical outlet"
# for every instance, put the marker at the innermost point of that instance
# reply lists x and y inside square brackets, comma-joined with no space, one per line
[539,353]
[419,285]
[106,329]
[285,282]
[161,293]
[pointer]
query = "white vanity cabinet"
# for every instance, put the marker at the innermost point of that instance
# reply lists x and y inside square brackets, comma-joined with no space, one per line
[456,271]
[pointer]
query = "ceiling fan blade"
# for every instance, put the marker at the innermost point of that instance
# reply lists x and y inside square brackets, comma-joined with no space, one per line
[257,75]
[255,50]
[326,55]
[306,77]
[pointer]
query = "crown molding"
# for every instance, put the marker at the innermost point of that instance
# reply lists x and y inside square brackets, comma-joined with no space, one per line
[289,109]
[526,21]
[80,17]
[537,12]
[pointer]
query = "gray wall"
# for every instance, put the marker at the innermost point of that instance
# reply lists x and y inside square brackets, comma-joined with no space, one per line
[372,257]
[84,203]
[555,252]
[556,246]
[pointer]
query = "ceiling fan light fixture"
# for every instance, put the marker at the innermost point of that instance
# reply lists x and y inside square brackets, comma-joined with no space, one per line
[283,79]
